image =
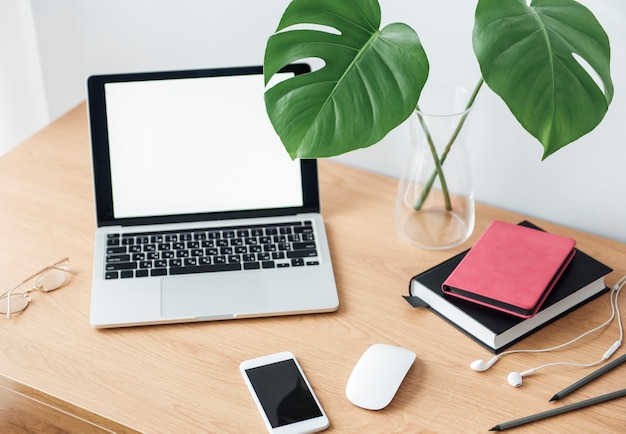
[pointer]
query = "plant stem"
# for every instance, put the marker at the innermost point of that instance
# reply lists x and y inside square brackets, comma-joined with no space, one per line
[439,161]
[438,170]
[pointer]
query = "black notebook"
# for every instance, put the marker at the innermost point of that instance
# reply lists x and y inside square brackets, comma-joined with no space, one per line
[582,281]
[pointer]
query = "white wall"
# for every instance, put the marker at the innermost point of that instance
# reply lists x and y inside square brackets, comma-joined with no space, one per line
[82,37]
[580,186]
[22,102]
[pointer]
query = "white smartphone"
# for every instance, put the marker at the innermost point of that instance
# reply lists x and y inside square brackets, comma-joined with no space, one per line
[283,394]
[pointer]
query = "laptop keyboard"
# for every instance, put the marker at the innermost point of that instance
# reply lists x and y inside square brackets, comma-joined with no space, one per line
[253,247]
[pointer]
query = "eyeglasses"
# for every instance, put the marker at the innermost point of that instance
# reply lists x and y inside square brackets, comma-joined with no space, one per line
[50,278]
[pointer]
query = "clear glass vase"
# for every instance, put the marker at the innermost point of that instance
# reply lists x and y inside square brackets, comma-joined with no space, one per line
[435,201]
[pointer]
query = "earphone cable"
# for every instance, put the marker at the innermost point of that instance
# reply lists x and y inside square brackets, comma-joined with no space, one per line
[614,312]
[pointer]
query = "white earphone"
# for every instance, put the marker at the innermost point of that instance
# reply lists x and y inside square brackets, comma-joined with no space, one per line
[515,378]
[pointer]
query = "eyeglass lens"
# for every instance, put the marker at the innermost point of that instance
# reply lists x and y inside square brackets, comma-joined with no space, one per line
[18,302]
[52,279]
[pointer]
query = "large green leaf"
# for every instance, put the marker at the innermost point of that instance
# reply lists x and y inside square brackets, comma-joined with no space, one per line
[370,81]
[526,55]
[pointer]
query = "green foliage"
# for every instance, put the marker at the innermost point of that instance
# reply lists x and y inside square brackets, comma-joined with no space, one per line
[371,79]
[370,82]
[526,56]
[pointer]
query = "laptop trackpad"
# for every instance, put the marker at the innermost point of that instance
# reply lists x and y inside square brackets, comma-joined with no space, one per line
[214,295]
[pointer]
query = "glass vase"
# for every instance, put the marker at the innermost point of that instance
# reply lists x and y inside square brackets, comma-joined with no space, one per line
[435,199]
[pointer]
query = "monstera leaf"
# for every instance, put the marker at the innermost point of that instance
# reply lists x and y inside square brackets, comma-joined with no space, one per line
[530,55]
[370,81]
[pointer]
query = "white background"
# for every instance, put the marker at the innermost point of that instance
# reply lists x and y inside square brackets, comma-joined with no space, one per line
[46,55]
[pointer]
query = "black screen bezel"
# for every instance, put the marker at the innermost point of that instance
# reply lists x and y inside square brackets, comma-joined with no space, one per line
[101,159]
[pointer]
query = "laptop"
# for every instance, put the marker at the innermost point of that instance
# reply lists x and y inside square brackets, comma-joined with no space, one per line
[201,214]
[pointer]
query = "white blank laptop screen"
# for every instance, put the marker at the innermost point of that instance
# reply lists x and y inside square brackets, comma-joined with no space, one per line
[196,145]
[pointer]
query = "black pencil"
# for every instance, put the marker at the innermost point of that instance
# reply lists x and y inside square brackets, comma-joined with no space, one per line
[589,378]
[560,410]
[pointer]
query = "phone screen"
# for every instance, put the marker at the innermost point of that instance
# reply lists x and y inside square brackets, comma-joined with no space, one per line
[283,393]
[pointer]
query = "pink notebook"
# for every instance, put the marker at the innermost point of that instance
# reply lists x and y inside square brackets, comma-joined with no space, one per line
[511,268]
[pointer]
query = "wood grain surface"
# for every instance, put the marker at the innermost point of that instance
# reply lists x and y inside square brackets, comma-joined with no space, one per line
[185,378]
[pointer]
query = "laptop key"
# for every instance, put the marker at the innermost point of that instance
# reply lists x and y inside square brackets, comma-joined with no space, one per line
[303,230]
[301,253]
[121,266]
[309,245]
[232,266]
[251,265]
[117,258]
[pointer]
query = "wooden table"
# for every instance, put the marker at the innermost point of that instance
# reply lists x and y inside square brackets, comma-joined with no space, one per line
[185,378]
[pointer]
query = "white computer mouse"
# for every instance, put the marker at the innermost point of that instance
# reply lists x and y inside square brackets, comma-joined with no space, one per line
[377,375]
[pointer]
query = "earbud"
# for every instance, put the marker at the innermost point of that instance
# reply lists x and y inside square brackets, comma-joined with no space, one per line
[480,365]
[515,378]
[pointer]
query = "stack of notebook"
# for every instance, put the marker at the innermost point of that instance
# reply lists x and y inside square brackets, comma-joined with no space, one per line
[515,280]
